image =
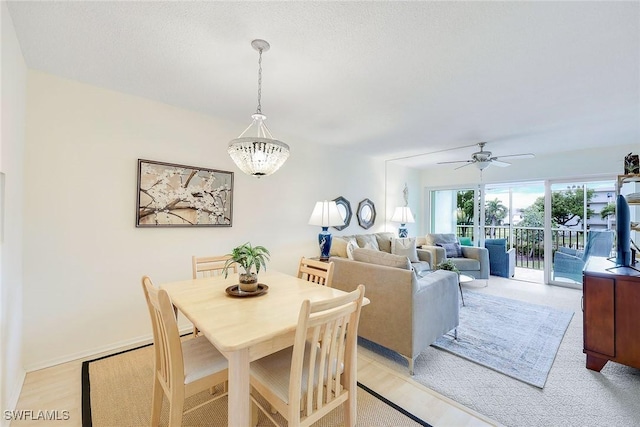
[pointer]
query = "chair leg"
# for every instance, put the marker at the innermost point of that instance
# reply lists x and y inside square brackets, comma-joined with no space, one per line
[350,411]
[156,403]
[176,411]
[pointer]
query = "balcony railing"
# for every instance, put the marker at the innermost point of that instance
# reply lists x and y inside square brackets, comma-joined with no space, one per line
[529,241]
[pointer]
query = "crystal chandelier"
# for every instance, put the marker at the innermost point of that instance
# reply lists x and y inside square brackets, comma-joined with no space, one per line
[258,154]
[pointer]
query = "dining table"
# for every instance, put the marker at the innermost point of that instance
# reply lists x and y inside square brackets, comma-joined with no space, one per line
[245,328]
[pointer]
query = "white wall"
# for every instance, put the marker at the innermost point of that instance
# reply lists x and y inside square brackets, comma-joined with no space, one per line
[13,91]
[86,258]
[397,177]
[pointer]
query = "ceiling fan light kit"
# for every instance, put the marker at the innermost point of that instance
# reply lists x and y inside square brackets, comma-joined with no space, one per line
[482,159]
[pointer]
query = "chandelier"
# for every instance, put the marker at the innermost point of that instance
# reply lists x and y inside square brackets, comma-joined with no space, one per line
[259,153]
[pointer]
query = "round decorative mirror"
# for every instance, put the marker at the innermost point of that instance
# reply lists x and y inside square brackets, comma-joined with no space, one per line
[366,213]
[344,207]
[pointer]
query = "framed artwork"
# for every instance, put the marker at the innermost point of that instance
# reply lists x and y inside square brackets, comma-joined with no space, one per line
[171,195]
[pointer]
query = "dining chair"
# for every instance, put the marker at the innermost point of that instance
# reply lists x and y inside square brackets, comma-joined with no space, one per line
[181,368]
[319,272]
[318,373]
[210,266]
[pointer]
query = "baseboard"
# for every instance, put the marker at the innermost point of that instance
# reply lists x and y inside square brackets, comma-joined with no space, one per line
[12,401]
[99,351]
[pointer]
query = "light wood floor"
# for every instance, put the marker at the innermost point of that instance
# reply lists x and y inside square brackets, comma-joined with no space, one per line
[59,388]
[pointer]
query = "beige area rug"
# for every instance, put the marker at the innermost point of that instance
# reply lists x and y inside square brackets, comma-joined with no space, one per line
[573,396]
[117,393]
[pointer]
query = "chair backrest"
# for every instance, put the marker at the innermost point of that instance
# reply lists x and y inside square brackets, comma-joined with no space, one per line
[169,362]
[329,331]
[316,271]
[210,265]
[500,243]
[599,243]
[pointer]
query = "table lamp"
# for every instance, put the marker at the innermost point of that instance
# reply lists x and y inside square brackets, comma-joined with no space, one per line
[325,214]
[402,215]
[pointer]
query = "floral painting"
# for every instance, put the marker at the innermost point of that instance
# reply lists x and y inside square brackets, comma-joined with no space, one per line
[178,195]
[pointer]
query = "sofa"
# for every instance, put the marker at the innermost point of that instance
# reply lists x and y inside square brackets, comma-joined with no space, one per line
[470,260]
[409,308]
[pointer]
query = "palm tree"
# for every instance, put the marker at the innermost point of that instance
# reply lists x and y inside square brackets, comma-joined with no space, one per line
[494,214]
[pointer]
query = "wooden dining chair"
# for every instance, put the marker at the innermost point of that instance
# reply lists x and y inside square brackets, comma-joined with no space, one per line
[210,266]
[318,374]
[181,368]
[319,272]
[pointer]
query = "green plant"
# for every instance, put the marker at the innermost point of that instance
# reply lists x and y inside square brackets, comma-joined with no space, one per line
[447,264]
[247,256]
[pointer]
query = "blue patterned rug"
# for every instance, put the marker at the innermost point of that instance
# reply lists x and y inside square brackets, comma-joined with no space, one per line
[515,338]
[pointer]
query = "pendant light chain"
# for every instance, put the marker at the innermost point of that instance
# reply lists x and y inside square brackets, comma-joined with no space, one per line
[259,109]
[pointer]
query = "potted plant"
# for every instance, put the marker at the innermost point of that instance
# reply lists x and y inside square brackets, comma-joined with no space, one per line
[447,264]
[250,258]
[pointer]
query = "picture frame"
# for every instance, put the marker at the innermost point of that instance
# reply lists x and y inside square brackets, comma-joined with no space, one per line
[174,195]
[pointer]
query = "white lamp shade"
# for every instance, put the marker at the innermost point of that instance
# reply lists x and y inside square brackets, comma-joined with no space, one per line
[402,215]
[326,214]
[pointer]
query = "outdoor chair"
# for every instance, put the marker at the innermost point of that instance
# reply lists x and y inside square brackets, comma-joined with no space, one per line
[502,262]
[568,262]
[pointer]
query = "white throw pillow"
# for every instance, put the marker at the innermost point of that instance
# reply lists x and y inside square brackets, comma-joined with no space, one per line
[351,245]
[405,247]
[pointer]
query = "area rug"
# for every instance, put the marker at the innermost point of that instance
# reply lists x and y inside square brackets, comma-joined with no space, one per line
[513,337]
[116,391]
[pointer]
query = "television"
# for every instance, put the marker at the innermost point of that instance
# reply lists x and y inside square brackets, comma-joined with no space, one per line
[623,232]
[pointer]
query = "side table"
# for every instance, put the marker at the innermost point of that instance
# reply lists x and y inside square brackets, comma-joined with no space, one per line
[463,278]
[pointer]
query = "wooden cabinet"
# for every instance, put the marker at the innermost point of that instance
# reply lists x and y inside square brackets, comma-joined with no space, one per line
[611,314]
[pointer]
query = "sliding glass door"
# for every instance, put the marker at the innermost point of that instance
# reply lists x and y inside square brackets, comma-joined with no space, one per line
[577,209]
[538,219]
[454,211]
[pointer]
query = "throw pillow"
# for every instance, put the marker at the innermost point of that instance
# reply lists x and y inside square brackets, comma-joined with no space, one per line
[384,241]
[381,258]
[351,246]
[405,247]
[453,250]
[466,241]
[370,239]
[338,247]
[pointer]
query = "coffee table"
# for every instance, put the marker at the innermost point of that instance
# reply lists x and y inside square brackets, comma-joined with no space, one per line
[463,278]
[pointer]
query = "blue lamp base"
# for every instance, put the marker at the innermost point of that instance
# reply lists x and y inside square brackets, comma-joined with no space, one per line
[324,240]
[402,231]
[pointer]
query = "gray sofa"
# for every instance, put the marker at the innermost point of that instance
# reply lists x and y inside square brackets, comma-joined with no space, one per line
[407,312]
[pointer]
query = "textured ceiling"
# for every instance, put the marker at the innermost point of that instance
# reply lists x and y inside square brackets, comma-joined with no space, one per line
[391,79]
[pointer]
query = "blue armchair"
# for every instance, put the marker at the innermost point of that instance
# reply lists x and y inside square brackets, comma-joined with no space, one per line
[502,262]
[568,263]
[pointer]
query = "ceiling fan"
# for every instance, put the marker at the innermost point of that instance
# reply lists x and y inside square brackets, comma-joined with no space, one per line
[483,158]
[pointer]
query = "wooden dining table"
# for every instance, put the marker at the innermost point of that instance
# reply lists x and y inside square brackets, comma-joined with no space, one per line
[245,328]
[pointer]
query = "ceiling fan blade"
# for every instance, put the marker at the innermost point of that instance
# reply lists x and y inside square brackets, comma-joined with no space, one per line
[455,161]
[518,156]
[499,163]
[469,162]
